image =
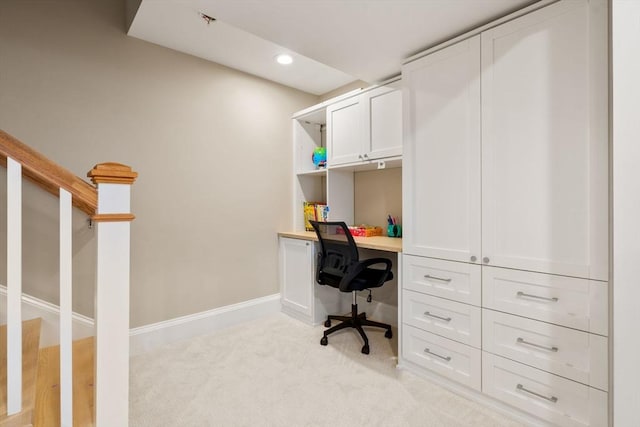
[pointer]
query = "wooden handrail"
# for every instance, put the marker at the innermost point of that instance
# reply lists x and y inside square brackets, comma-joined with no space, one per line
[48,174]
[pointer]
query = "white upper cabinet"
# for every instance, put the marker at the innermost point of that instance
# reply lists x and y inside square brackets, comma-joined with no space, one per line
[544,142]
[344,131]
[382,109]
[365,127]
[441,165]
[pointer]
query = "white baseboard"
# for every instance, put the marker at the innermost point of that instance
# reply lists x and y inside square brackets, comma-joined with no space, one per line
[50,314]
[150,337]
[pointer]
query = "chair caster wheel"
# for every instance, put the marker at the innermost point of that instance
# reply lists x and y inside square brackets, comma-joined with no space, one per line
[388,334]
[327,323]
[365,349]
[324,341]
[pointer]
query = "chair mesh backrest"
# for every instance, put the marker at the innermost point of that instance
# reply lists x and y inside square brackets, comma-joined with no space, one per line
[339,250]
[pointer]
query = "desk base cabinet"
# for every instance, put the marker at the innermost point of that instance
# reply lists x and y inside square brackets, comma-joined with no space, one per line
[300,296]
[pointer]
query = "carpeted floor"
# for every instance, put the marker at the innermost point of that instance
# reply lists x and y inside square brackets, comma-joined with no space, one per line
[274,372]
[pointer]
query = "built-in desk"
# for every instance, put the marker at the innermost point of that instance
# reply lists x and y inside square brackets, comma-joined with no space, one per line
[380,243]
[303,299]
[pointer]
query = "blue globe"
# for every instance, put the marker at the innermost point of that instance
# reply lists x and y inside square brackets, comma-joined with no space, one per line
[319,157]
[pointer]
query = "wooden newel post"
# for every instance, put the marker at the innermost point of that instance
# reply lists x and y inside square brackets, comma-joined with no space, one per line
[112,219]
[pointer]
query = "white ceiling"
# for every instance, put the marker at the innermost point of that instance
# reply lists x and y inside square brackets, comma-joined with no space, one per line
[333,42]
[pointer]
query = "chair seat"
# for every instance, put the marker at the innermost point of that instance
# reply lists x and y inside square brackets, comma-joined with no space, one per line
[363,281]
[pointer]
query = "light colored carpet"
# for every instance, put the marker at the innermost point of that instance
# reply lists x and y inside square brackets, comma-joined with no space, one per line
[274,372]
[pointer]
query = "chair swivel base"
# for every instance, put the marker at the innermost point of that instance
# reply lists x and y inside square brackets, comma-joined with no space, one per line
[356,321]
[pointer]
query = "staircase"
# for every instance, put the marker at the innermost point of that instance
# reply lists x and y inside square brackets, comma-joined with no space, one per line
[55,386]
[41,381]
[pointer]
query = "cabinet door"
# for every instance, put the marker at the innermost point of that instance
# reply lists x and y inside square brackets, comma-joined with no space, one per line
[441,161]
[544,142]
[344,132]
[297,275]
[382,108]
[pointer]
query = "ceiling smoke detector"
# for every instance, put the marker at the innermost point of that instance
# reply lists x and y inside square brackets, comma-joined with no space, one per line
[208,19]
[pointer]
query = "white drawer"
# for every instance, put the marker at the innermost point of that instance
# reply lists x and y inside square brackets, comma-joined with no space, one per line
[451,359]
[450,319]
[560,401]
[575,303]
[456,281]
[577,355]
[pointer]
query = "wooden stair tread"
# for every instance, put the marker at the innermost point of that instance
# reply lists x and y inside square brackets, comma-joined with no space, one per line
[47,410]
[30,346]
[21,419]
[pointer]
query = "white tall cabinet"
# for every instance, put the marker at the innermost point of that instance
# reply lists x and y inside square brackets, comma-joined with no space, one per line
[505,192]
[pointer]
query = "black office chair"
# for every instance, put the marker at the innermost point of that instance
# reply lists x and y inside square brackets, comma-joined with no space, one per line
[339,266]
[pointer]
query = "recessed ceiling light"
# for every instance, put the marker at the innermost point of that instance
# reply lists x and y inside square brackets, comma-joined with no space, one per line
[284,59]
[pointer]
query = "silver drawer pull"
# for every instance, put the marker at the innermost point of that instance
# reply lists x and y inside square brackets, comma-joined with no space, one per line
[448,358]
[551,399]
[522,341]
[426,276]
[446,319]
[522,294]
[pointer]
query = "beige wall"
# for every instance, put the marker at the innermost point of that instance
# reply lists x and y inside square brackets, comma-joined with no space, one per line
[211,145]
[377,193]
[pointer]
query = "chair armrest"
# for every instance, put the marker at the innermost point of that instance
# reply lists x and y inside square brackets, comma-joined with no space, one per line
[359,268]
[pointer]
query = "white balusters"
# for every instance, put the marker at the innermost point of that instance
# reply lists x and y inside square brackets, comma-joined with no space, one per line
[112,218]
[66,311]
[14,286]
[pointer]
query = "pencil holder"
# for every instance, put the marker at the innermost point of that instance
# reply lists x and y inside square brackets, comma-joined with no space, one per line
[394,230]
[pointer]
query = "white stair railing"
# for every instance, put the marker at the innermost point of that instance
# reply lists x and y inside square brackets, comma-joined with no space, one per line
[108,207]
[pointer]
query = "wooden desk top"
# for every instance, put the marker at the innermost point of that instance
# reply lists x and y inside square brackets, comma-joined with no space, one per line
[380,243]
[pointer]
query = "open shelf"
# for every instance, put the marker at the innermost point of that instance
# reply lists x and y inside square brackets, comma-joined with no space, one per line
[316,172]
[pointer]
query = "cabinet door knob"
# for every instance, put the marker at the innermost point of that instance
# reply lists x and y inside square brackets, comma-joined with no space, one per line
[307,244]
[485,260]
[366,156]
[473,258]
[360,156]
